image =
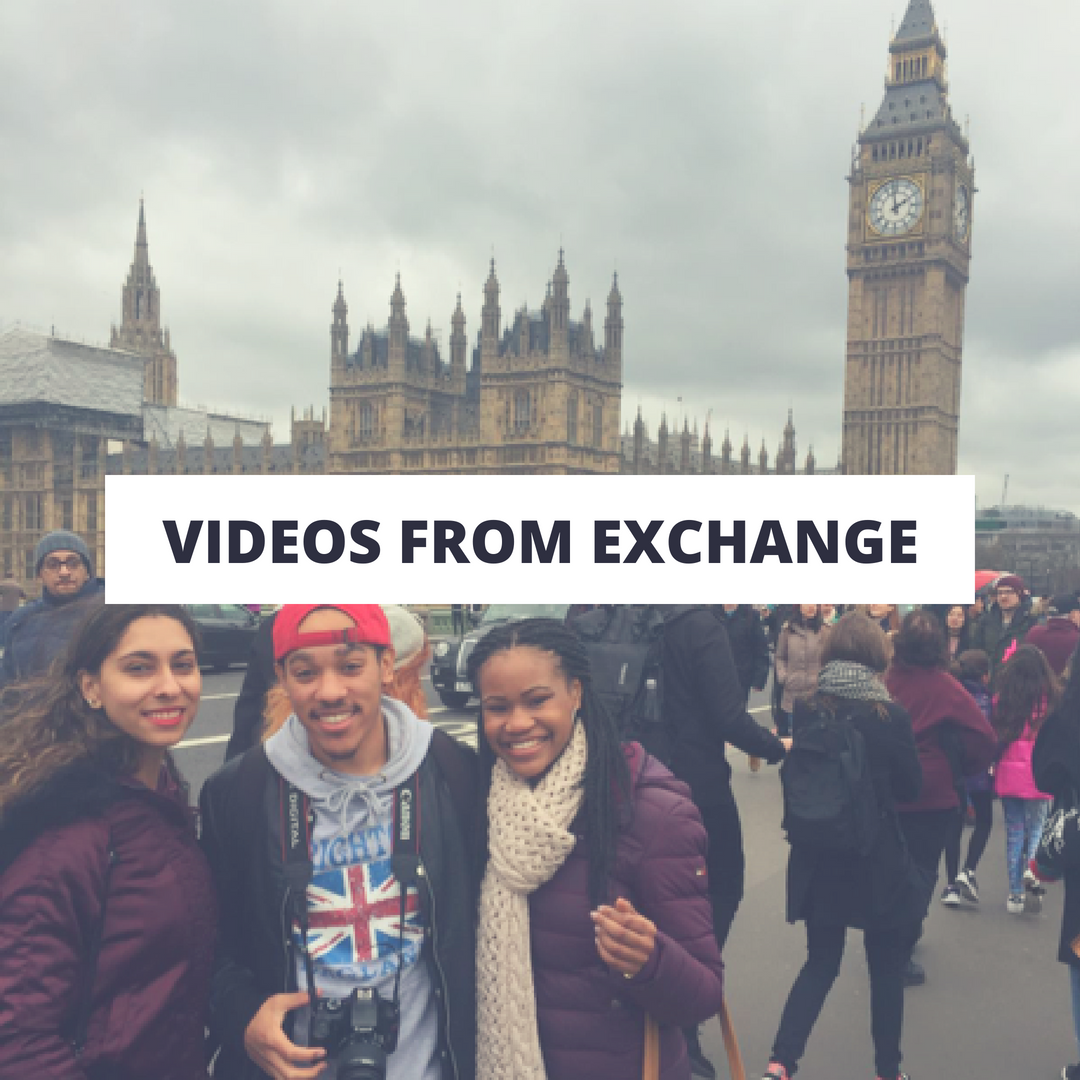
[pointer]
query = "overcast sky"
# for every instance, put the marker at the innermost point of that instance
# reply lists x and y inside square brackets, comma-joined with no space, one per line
[698,147]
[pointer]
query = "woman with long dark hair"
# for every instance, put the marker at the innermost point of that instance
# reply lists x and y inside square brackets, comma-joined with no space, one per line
[832,891]
[107,913]
[1027,690]
[594,906]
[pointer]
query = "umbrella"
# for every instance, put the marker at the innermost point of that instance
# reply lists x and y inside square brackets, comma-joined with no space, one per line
[984,577]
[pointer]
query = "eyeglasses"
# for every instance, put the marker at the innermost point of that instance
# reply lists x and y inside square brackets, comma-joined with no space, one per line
[71,563]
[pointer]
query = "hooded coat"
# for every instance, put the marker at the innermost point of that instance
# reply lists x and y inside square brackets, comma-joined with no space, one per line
[148,1002]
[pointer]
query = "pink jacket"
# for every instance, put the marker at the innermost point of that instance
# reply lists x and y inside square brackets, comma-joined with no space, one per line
[1012,777]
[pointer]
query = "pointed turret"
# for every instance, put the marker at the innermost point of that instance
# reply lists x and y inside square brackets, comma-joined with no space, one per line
[919,23]
[140,328]
[489,315]
[559,311]
[339,329]
[810,462]
[744,454]
[763,459]
[662,465]
[458,345]
[613,324]
[706,451]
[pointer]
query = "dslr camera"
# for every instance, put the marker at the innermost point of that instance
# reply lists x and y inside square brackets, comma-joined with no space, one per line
[359,1031]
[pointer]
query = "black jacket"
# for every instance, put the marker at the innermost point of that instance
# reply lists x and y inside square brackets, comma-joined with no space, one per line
[704,706]
[258,679]
[749,646]
[883,889]
[255,958]
[992,635]
[1055,764]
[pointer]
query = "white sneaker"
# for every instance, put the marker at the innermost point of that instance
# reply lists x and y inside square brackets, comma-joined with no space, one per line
[1015,904]
[969,888]
[1033,885]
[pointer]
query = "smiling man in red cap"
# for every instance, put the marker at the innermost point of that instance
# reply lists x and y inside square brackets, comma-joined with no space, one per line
[345,836]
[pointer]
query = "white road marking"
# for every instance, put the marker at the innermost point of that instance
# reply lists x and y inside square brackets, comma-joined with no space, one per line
[209,740]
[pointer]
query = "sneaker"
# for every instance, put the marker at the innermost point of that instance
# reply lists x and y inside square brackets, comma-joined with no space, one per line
[1032,885]
[1015,904]
[968,886]
[776,1071]
[914,974]
[951,896]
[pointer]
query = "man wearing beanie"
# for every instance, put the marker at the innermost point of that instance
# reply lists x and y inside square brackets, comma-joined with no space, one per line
[1000,629]
[341,850]
[37,633]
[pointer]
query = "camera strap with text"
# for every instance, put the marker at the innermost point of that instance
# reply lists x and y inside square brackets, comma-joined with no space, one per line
[297,820]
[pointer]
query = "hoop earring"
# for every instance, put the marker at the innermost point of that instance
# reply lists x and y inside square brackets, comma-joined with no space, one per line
[93,704]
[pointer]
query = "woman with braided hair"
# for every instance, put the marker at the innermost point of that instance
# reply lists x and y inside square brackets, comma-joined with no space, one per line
[594,908]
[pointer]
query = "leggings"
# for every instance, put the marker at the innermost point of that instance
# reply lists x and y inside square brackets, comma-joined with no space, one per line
[1024,821]
[886,953]
[983,803]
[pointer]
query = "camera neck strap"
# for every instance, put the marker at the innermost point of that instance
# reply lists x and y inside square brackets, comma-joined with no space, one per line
[297,823]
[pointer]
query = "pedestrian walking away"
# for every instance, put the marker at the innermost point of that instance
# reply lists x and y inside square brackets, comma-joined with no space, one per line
[833,888]
[973,673]
[1056,769]
[946,721]
[594,909]
[107,910]
[1027,690]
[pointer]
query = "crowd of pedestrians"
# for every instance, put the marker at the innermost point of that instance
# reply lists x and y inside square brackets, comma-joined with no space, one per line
[361,896]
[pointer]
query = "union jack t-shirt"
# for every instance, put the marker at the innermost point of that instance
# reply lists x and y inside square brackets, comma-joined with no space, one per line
[354,910]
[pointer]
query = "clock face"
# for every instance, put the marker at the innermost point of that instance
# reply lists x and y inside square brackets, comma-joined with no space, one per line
[896,207]
[962,213]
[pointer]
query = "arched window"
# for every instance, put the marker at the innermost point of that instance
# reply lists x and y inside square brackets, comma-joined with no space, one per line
[522,414]
[571,418]
[598,426]
[367,420]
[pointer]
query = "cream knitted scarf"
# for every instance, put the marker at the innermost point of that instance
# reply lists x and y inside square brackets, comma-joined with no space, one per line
[528,839]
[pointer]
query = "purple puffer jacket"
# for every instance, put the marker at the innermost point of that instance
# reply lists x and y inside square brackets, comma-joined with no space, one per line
[149,1002]
[592,1019]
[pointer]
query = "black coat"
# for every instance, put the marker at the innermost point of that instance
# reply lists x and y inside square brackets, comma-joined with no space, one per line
[1055,764]
[258,679]
[703,705]
[884,889]
[245,850]
[992,635]
[749,646]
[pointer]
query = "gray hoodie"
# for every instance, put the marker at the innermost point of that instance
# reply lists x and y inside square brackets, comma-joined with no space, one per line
[354,899]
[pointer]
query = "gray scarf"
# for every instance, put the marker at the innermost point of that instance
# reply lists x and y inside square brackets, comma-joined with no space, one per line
[844,679]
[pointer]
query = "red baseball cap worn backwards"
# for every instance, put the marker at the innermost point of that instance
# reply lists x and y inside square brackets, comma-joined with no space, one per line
[371,628]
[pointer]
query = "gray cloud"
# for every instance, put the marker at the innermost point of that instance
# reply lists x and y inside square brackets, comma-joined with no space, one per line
[698,148]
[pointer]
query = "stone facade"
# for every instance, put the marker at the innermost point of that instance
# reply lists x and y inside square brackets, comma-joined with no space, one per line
[909,246]
[538,397]
[140,328]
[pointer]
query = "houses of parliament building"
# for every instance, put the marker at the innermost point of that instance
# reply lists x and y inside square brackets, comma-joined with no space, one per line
[540,394]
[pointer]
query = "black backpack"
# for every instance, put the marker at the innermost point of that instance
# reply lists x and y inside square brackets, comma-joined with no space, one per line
[625,644]
[829,797]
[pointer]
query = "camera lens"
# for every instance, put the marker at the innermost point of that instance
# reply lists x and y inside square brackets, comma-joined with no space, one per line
[362,1061]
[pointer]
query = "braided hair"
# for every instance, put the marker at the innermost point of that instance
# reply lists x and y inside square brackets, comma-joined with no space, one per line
[607,777]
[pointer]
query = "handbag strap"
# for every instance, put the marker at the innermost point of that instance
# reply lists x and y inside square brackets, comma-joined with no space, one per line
[651,1066]
[82,1013]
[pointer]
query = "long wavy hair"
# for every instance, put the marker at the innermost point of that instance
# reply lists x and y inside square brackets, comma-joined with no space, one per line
[607,777]
[45,722]
[1027,689]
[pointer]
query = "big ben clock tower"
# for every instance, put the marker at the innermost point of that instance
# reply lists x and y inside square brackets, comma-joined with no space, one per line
[909,247]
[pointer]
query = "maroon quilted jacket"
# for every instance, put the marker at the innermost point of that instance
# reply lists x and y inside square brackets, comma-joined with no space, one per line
[149,1001]
[592,1020]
